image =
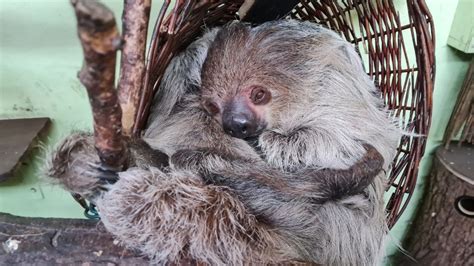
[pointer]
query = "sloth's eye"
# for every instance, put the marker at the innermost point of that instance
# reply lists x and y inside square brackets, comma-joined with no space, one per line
[211,107]
[260,95]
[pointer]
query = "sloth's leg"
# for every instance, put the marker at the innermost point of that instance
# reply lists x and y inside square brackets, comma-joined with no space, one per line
[169,216]
[75,165]
[175,215]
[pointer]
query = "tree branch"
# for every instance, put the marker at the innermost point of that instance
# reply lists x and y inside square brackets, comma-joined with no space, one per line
[136,15]
[100,40]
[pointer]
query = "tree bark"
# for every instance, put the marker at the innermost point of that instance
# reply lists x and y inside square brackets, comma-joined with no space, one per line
[440,234]
[100,40]
[52,241]
[136,15]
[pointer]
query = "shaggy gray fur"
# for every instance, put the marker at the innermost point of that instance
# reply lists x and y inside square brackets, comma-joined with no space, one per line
[326,110]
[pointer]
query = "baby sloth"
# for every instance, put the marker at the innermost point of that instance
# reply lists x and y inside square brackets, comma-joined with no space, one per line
[276,140]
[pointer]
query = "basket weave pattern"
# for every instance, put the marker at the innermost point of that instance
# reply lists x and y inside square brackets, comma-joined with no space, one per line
[374,27]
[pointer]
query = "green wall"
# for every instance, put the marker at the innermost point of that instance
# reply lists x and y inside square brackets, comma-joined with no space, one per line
[451,67]
[39,59]
[40,56]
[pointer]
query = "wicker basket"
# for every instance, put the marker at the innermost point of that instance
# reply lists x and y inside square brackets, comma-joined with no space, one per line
[375,27]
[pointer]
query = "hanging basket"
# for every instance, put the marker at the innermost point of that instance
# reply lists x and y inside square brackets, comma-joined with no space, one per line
[396,46]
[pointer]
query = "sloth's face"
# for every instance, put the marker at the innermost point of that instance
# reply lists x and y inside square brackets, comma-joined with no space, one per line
[242,115]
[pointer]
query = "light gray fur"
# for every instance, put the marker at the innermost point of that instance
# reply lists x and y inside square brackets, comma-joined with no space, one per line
[332,109]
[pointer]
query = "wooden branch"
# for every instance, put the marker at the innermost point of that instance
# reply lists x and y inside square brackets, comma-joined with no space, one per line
[53,241]
[136,15]
[100,40]
[462,116]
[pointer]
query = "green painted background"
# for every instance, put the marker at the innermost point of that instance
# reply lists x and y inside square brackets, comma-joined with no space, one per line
[40,56]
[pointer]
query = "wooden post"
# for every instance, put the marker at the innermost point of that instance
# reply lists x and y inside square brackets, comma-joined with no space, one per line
[441,233]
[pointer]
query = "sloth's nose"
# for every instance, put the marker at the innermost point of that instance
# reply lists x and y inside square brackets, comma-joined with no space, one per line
[238,126]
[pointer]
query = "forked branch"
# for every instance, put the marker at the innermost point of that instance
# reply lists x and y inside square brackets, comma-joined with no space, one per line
[100,40]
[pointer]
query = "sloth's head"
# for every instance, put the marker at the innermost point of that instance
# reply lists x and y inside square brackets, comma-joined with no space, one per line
[277,74]
[244,114]
[245,80]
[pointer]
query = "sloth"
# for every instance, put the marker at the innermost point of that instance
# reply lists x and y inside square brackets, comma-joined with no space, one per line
[265,144]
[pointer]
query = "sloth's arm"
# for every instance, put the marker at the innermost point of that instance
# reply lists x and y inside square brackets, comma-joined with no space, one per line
[250,177]
[309,147]
[75,165]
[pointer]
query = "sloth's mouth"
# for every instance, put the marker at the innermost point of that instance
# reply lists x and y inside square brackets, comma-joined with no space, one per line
[252,139]
[253,142]
[254,136]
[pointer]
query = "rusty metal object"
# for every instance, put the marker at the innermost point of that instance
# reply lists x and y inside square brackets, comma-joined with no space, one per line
[373,26]
[17,137]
